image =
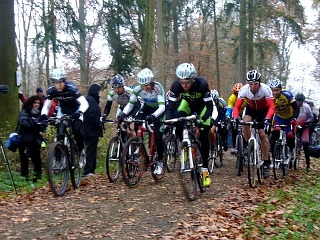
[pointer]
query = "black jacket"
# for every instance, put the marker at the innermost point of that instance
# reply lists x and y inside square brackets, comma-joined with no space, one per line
[29,129]
[91,119]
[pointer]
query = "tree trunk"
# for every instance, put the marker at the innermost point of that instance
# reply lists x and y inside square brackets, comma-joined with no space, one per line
[83,61]
[9,106]
[161,51]
[216,46]
[242,40]
[147,48]
[175,32]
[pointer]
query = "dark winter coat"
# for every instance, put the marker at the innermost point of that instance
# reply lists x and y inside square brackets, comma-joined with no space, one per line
[29,129]
[91,119]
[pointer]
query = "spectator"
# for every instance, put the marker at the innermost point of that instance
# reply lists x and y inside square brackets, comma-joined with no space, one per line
[41,94]
[92,129]
[31,137]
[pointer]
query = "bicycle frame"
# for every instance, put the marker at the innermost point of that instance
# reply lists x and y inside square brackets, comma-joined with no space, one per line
[151,145]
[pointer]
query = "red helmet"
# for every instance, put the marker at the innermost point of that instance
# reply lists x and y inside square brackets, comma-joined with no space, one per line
[236,87]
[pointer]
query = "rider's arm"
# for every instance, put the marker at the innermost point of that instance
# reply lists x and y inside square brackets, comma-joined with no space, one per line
[133,99]
[296,109]
[46,107]
[83,104]
[161,107]
[237,107]
[107,108]
[270,105]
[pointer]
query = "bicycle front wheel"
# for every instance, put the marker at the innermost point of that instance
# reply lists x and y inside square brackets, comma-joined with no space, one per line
[57,168]
[134,159]
[113,159]
[75,167]
[171,151]
[188,177]
[240,157]
[252,166]
[278,166]
[198,161]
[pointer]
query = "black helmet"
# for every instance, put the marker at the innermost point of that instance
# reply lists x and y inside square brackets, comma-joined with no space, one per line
[300,97]
[253,76]
[117,81]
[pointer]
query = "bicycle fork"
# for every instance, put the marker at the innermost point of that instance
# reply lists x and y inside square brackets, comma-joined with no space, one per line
[184,159]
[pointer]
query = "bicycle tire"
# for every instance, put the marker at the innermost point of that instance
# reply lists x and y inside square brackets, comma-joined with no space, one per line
[57,168]
[219,160]
[277,162]
[240,157]
[198,161]
[252,167]
[134,159]
[296,158]
[188,177]
[171,151]
[113,158]
[285,156]
[211,161]
[76,170]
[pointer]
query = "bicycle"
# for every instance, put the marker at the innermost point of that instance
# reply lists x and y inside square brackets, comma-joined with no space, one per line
[136,159]
[190,159]
[215,151]
[171,148]
[239,147]
[281,158]
[63,157]
[114,152]
[315,137]
[255,162]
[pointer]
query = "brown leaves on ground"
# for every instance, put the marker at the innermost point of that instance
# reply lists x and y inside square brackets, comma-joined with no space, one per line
[101,210]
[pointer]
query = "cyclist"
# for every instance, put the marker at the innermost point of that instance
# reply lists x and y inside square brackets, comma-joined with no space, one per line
[260,107]
[121,95]
[286,113]
[195,98]
[71,101]
[231,102]
[152,93]
[304,119]
[221,107]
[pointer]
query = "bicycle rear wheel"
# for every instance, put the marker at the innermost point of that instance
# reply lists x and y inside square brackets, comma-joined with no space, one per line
[76,170]
[171,151]
[218,145]
[188,177]
[252,166]
[57,168]
[134,159]
[113,159]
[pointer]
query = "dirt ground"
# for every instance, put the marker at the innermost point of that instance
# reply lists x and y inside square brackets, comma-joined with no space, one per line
[102,210]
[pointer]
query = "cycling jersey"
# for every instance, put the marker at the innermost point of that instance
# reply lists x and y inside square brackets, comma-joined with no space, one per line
[154,99]
[121,99]
[198,96]
[231,102]
[261,100]
[286,106]
[70,99]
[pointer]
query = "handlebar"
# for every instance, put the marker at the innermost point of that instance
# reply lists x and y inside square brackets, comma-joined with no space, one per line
[180,119]
[148,126]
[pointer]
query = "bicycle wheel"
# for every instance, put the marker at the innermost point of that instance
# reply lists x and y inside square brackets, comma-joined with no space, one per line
[57,168]
[296,158]
[212,157]
[76,170]
[286,159]
[252,166]
[198,161]
[113,159]
[277,162]
[219,160]
[133,161]
[171,151]
[188,178]
[240,157]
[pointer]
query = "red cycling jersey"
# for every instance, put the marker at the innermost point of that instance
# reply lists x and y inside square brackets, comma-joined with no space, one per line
[261,100]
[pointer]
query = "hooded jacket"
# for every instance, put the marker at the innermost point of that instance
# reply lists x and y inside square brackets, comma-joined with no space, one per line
[92,123]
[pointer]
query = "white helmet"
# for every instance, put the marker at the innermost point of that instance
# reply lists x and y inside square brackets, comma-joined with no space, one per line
[57,75]
[145,76]
[185,71]
[214,94]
